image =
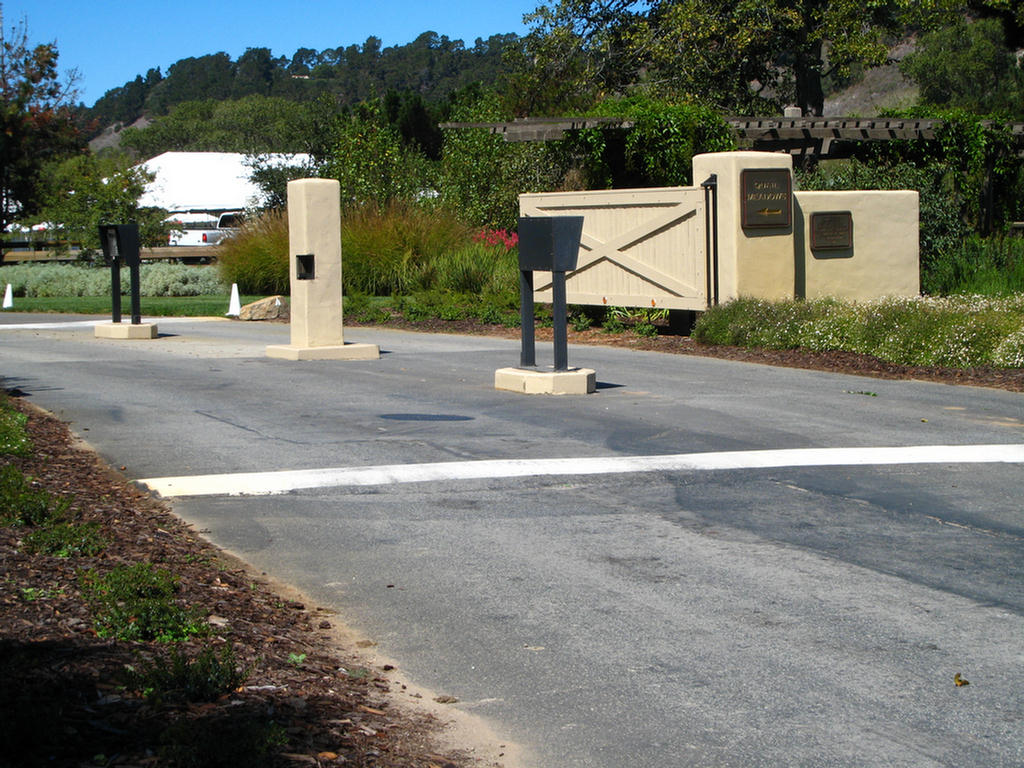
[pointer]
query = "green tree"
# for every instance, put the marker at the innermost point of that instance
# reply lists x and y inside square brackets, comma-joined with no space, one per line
[272,177]
[254,72]
[206,77]
[36,120]
[656,152]
[84,191]
[253,125]
[968,65]
[482,175]
[737,54]
[371,161]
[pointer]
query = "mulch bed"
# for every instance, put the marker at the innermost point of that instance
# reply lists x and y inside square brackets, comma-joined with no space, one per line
[62,699]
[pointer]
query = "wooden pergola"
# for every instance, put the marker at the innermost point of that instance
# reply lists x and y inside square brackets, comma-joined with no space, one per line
[805,137]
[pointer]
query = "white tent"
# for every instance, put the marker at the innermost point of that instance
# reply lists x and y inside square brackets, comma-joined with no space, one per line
[206,181]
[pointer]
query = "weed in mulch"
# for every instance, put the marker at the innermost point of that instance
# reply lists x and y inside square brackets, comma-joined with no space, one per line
[137,602]
[23,504]
[175,676]
[63,539]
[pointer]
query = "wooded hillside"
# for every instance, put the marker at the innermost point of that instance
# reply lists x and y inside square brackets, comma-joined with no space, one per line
[431,66]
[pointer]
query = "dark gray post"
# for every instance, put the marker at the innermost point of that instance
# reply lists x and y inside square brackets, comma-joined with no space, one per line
[549,243]
[560,320]
[528,346]
[108,237]
[121,243]
[134,288]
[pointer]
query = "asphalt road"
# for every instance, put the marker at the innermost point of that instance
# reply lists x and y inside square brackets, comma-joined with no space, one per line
[792,611]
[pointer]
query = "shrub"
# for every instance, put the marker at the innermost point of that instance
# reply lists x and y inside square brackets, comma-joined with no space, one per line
[992,266]
[1009,353]
[580,321]
[158,279]
[482,175]
[246,738]
[371,162]
[162,279]
[364,309]
[256,257]
[942,227]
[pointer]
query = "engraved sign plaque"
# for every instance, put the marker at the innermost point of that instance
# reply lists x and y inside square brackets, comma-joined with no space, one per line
[831,231]
[767,198]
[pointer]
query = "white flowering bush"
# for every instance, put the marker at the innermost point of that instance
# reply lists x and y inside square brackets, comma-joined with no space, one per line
[1009,353]
[952,331]
[160,279]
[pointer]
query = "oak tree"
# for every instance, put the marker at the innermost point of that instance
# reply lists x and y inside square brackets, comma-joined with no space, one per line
[740,55]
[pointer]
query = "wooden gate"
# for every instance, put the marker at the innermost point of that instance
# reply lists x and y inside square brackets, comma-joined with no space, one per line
[640,247]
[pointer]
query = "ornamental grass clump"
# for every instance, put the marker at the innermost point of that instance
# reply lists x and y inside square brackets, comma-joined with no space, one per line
[256,257]
[396,248]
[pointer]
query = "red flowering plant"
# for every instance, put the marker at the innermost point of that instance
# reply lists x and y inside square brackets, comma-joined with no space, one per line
[497,237]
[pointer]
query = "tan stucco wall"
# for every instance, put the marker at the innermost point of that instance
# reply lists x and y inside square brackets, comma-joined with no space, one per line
[751,262]
[884,259]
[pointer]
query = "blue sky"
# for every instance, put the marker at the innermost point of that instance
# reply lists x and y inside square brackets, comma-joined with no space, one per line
[110,43]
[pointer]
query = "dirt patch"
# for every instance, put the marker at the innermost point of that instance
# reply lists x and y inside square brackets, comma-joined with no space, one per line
[63,699]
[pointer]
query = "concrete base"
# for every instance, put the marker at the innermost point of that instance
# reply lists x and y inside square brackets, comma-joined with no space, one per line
[126,331]
[339,352]
[575,381]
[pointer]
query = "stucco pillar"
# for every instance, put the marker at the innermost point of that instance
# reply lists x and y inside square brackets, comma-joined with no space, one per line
[314,263]
[756,249]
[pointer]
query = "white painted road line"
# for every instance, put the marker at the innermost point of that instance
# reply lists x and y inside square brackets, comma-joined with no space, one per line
[270,483]
[50,326]
[73,324]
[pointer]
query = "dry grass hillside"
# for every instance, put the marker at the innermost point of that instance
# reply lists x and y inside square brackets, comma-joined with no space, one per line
[880,88]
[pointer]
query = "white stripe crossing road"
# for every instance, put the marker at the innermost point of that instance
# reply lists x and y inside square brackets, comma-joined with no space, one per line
[50,326]
[269,483]
[73,324]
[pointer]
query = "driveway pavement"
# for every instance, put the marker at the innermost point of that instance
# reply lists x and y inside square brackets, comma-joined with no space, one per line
[705,563]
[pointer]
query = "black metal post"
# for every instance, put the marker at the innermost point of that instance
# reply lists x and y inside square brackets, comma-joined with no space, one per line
[133,272]
[710,186]
[528,348]
[115,289]
[114,256]
[561,321]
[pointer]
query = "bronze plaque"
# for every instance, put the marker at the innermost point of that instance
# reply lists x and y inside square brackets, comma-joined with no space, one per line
[832,231]
[767,198]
